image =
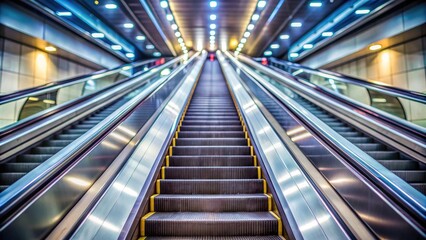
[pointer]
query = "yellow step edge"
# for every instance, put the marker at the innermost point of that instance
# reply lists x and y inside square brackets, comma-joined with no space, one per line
[163,172]
[157,184]
[259,173]
[269,201]
[167,161]
[170,150]
[151,202]
[265,189]
[143,222]
[251,151]
[176,135]
[280,227]
[142,238]
[248,142]
[246,135]
[255,161]
[174,142]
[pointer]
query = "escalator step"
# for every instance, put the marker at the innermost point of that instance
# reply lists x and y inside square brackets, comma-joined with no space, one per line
[211,203]
[76,132]
[211,141]
[225,114]
[202,118]
[57,143]
[33,158]
[212,122]
[352,135]
[218,238]
[383,155]
[211,150]
[17,167]
[84,126]
[211,160]
[421,187]
[211,134]
[67,136]
[9,178]
[201,186]
[211,172]
[211,224]
[371,146]
[211,128]
[412,176]
[46,150]
[399,164]
[359,139]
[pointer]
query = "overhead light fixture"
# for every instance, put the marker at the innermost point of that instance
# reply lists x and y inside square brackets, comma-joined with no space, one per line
[315,4]
[284,36]
[174,26]
[180,40]
[110,6]
[156,54]
[275,46]
[212,33]
[375,47]
[50,49]
[169,17]
[267,53]
[116,47]
[250,27]
[362,11]
[140,38]
[243,40]
[212,17]
[64,14]
[308,46]
[212,26]
[255,17]
[212,37]
[98,35]
[241,45]
[327,34]
[261,4]
[164,4]
[247,34]
[130,55]
[149,46]
[296,24]
[128,25]
[293,55]
[177,34]
[213,4]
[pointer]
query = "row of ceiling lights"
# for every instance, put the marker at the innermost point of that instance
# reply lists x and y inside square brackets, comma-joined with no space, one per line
[314,4]
[256,15]
[127,25]
[169,15]
[213,26]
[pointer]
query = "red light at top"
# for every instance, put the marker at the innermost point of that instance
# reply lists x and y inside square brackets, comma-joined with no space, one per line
[264,61]
[211,57]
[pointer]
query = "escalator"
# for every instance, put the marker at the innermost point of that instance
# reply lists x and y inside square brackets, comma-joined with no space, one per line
[211,184]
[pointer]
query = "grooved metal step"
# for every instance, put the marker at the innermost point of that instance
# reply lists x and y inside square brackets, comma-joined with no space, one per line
[211,172]
[211,186]
[212,160]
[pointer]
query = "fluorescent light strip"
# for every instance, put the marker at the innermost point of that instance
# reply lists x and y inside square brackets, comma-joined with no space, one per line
[169,16]
[255,16]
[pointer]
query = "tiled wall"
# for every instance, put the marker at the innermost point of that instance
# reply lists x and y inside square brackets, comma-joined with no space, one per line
[23,67]
[402,66]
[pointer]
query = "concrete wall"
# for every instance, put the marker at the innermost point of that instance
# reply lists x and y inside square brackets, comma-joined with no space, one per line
[22,66]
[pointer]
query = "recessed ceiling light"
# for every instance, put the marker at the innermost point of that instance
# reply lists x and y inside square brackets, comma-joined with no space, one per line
[296,24]
[140,38]
[164,4]
[293,55]
[110,6]
[180,40]
[212,33]
[212,37]
[64,14]
[174,26]
[327,34]
[375,47]
[50,49]
[212,17]
[149,46]
[116,47]
[156,54]
[284,36]
[267,53]
[250,26]
[308,46]
[275,46]
[213,26]
[98,35]
[213,4]
[255,17]
[247,34]
[261,4]
[169,17]
[128,25]
[243,40]
[362,11]
[177,34]
[130,55]
[240,45]
[315,4]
